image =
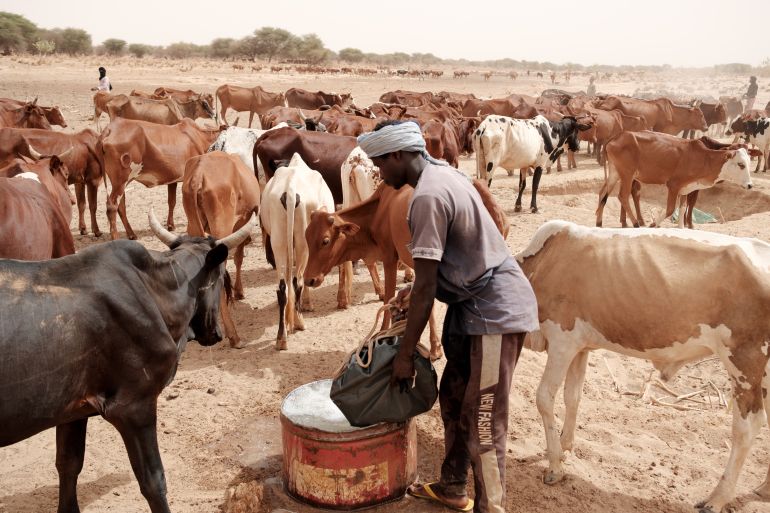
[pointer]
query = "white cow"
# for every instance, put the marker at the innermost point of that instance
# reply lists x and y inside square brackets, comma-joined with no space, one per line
[240,142]
[666,295]
[512,144]
[287,201]
[360,178]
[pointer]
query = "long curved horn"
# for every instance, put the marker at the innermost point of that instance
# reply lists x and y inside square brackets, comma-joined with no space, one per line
[34,153]
[62,155]
[165,236]
[301,115]
[234,240]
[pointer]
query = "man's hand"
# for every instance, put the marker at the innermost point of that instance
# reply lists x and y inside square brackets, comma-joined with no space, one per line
[403,372]
[400,304]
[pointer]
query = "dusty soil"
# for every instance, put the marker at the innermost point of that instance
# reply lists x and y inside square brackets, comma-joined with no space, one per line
[218,420]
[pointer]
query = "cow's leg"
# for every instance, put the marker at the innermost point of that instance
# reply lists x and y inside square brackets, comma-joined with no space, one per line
[673,194]
[682,211]
[764,489]
[560,357]
[636,196]
[346,285]
[280,341]
[522,186]
[251,117]
[80,195]
[70,451]
[573,391]
[436,351]
[238,259]
[571,162]
[124,218]
[376,282]
[171,205]
[691,199]
[390,268]
[230,332]
[623,195]
[299,321]
[744,431]
[138,429]
[535,183]
[603,195]
[92,191]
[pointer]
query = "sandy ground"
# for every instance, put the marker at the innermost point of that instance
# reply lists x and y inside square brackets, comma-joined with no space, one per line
[218,420]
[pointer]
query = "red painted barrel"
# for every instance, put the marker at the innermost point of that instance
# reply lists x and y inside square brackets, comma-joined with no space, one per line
[329,463]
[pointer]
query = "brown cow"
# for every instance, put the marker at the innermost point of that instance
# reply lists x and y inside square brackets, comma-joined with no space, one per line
[609,124]
[29,115]
[78,151]
[733,109]
[408,98]
[183,95]
[713,113]
[151,154]
[254,100]
[34,210]
[220,194]
[52,114]
[303,99]
[684,119]
[683,165]
[657,114]
[442,141]
[167,111]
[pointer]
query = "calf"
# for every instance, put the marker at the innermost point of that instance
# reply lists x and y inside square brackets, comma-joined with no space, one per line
[35,210]
[755,131]
[220,194]
[682,165]
[289,197]
[567,264]
[441,141]
[522,143]
[103,332]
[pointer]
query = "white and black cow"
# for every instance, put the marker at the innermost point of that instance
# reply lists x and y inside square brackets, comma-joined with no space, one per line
[512,144]
[755,131]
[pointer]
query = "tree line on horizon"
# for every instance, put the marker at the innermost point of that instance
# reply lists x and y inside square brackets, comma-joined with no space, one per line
[20,35]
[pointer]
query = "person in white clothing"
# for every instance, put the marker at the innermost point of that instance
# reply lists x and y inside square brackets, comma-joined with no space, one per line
[104,82]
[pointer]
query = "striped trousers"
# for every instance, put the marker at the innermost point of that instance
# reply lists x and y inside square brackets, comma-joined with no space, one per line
[474,408]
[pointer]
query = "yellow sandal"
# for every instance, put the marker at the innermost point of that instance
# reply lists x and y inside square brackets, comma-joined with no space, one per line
[424,491]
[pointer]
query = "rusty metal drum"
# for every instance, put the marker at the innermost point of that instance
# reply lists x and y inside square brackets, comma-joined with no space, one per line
[331,464]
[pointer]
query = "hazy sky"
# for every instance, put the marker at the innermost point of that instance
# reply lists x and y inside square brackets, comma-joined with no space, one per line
[676,32]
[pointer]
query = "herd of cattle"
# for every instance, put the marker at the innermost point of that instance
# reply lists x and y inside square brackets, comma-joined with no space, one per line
[321,204]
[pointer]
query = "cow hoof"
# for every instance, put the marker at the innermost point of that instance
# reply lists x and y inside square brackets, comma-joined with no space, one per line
[281,345]
[132,237]
[237,343]
[238,295]
[83,231]
[551,477]
[703,508]
[517,208]
[97,234]
[534,210]
[342,306]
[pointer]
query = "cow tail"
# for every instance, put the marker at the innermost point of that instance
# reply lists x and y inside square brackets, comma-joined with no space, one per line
[289,274]
[192,203]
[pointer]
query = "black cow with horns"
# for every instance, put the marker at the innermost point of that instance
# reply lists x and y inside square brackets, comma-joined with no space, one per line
[100,333]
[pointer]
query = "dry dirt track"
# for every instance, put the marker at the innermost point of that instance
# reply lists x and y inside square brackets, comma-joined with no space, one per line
[218,421]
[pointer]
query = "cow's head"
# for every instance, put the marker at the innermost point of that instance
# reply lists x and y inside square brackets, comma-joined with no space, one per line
[346,99]
[32,116]
[54,116]
[736,168]
[200,261]
[737,127]
[696,120]
[326,236]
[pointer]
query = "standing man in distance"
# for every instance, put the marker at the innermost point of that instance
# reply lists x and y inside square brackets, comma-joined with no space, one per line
[461,259]
[751,94]
[104,81]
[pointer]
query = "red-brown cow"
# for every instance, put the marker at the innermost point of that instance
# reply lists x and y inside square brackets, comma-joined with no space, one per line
[78,151]
[151,154]
[220,194]
[254,100]
[52,114]
[29,115]
[303,99]
[35,209]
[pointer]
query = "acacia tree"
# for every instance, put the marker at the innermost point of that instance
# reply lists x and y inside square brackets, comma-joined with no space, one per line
[270,42]
[44,46]
[222,47]
[139,50]
[311,48]
[17,33]
[352,55]
[75,41]
[114,46]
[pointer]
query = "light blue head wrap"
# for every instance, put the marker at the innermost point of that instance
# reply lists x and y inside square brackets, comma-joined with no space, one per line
[400,137]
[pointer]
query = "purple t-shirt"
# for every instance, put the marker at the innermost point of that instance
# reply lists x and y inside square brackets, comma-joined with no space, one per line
[476,273]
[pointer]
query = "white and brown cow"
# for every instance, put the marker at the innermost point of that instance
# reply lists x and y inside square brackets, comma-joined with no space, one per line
[588,299]
[288,199]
